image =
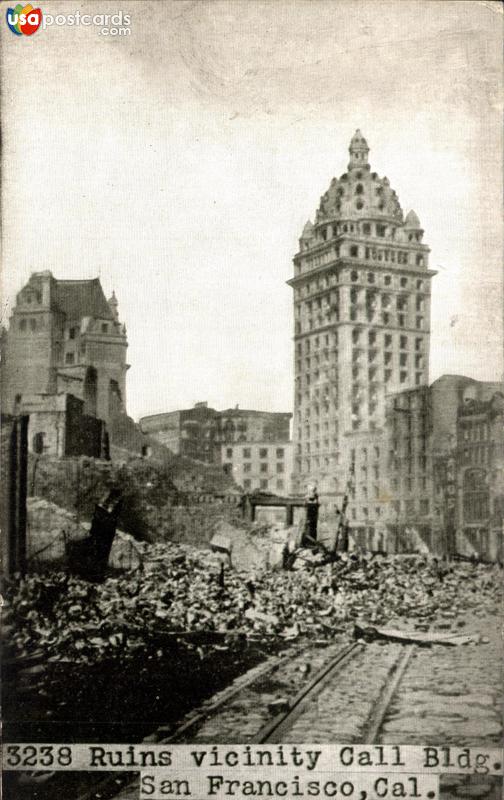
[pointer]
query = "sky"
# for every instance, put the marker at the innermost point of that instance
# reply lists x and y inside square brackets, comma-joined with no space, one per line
[179,164]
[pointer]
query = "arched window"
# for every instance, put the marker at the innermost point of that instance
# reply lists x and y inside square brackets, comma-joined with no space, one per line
[38,443]
[22,324]
[90,391]
[359,189]
[115,403]
[476,496]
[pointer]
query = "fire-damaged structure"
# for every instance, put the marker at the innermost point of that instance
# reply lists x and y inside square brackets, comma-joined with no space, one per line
[64,365]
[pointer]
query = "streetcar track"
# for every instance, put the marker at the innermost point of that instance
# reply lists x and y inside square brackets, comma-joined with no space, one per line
[274,730]
[379,712]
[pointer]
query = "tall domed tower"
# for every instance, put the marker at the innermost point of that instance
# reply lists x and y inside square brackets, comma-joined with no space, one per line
[362,327]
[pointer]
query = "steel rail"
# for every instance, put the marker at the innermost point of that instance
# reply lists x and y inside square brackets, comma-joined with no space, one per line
[379,712]
[274,730]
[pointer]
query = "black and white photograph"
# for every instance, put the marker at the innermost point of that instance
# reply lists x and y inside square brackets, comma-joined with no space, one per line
[252,399]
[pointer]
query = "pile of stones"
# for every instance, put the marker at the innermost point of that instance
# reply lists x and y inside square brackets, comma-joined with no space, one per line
[178,591]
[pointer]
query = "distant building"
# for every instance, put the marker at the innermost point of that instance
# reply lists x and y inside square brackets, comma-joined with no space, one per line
[190,432]
[480,471]
[64,337]
[266,466]
[443,469]
[361,291]
[200,432]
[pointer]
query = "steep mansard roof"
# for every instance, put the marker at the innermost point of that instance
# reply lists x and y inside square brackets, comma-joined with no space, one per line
[81,299]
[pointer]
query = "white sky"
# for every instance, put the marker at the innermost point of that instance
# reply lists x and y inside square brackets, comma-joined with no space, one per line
[180,164]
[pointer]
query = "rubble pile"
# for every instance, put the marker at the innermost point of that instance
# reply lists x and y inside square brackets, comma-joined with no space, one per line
[179,590]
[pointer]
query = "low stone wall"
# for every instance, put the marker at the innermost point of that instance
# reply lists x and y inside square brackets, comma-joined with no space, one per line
[50,527]
[154,508]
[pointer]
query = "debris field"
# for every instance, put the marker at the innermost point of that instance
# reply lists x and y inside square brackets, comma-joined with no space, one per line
[182,592]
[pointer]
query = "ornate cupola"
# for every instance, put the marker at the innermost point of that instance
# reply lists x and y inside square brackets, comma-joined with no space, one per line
[359,152]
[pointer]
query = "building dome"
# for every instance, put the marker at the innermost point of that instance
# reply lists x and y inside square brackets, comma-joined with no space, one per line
[359,193]
[412,221]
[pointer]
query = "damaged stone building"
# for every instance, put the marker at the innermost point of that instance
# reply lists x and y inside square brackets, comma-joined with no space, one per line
[366,420]
[64,364]
[444,461]
[252,446]
[361,321]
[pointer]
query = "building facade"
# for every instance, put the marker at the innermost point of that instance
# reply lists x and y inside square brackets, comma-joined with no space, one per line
[362,292]
[443,468]
[64,337]
[264,466]
[59,428]
[479,495]
[200,432]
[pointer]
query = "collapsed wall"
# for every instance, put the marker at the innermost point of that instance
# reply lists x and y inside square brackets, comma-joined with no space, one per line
[180,498]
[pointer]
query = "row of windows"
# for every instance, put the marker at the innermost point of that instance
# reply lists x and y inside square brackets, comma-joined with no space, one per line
[32,323]
[263,484]
[312,362]
[388,358]
[385,318]
[31,297]
[475,432]
[476,455]
[29,323]
[388,377]
[410,507]
[409,483]
[263,452]
[374,338]
[331,304]
[365,228]
[359,276]
[308,447]
[247,467]
[363,454]
[318,302]
[313,343]
[323,409]
[377,254]
[306,465]
[398,464]
[403,282]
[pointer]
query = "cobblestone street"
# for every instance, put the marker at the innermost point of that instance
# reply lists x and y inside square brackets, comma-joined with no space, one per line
[451,695]
[447,695]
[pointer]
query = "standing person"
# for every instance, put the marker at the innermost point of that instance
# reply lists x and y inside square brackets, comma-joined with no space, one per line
[312,508]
